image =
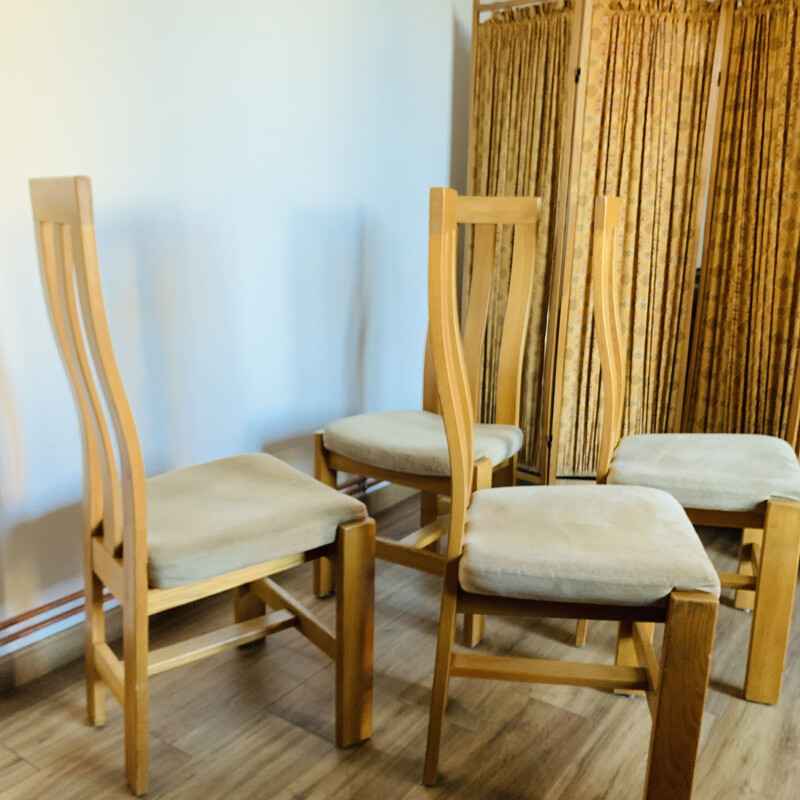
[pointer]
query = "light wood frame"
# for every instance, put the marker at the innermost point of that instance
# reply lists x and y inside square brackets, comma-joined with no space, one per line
[486,214]
[675,687]
[115,516]
[770,551]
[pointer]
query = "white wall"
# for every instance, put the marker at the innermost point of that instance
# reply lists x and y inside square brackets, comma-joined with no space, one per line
[260,174]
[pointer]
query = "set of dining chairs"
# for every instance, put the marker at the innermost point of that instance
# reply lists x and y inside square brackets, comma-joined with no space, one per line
[623,549]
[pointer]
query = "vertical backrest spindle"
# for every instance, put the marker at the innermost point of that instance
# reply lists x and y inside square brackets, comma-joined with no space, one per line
[607,327]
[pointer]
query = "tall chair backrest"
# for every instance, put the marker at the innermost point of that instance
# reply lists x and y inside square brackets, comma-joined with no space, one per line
[114,478]
[607,327]
[487,215]
[456,391]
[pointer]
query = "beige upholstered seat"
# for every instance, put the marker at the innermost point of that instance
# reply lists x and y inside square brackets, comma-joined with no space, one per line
[719,471]
[413,441]
[221,516]
[621,545]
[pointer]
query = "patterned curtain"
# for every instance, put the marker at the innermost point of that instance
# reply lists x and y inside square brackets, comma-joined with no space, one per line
[749,316]
[649,77]
[518,123]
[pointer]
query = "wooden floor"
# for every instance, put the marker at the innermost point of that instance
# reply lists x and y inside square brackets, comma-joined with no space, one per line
[258,723]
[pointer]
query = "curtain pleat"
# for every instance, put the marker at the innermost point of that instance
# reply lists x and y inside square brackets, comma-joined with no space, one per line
[521,60]
[749,333]
[649,77]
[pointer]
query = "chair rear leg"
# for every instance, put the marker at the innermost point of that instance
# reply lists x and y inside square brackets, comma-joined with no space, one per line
[745,599]
[247,606]
[355,602]
[581,632]
[483,477]
[323,567]
[626,651]
[441,682]
[94,633]
[683,682]
[775,591]
[135,647]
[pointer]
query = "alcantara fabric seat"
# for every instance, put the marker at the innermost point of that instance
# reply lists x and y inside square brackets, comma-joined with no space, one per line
[621,545]
[409,447]
[235,512]
[719,471]
[413,441]
[224,526]
[737,480]
[627,554]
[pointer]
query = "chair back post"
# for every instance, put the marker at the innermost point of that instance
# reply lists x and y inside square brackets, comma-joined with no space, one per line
[793,432]
[487,215]
[448,358]
[608,328]
[62,210]
[518,312]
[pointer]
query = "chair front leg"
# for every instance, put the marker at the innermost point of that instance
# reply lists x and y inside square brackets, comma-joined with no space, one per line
[355,622]
[323,568]
[441,676]
[683,682]
[775,592]
[135,647]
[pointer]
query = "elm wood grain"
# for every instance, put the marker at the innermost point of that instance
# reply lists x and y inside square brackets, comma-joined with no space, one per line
[486,213]
[115,510]
[775,575]
[746,599]
[501,739]
[676,688]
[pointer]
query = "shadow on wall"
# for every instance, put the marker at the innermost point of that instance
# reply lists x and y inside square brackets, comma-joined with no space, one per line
[41,553]
[169,310]
[325,336]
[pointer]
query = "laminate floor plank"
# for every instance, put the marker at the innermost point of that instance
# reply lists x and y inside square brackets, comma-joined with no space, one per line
[258,722]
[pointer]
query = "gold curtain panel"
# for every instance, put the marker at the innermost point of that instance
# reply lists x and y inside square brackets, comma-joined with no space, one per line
[749,317]
[521,63]
[649,78]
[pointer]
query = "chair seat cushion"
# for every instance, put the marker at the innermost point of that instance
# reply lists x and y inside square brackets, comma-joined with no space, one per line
[618,545]
[222,516]
[413,442]
[717,471]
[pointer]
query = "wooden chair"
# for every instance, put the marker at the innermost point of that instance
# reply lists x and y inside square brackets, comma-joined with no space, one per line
[620,553]
[722,480]
[160,543]
[409,447]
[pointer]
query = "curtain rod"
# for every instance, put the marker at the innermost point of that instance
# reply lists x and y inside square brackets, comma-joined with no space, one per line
[511,4]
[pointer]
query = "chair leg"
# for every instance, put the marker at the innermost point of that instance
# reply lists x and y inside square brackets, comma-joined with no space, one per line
[323,567]
[581,632]
[626,651]
[683,681]
[745,599]
[441,681]
[247,606]
[355,623]
[775,591]
[428,508]
[482,478]
[135,646]
[95,633]
[474,629]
